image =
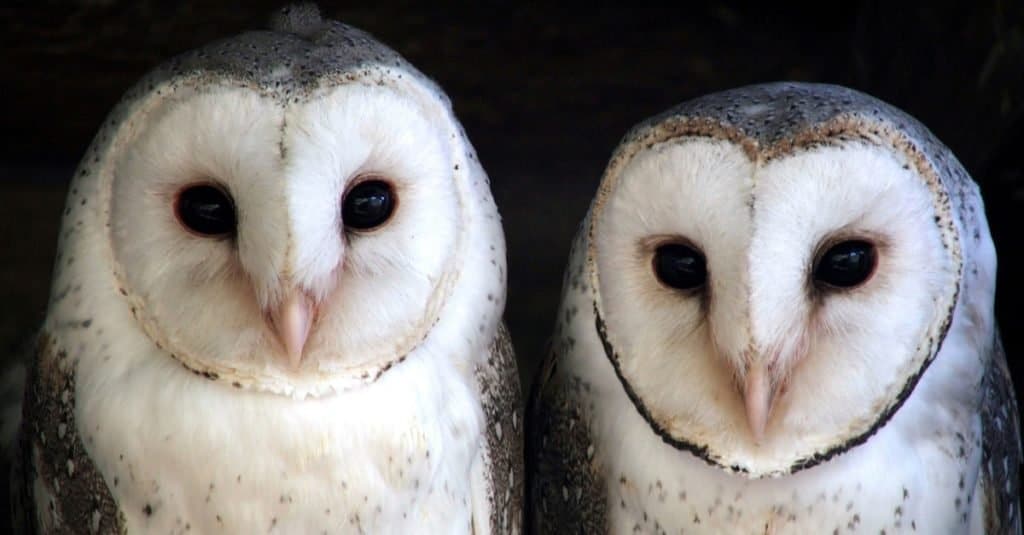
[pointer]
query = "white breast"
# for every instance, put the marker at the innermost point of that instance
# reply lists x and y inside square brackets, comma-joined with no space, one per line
[183,453]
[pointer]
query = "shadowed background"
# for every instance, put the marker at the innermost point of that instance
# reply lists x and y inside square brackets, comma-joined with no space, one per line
[544,93]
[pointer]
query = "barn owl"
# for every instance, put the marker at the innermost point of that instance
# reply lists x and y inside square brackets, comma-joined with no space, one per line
[276,307]
[778,318]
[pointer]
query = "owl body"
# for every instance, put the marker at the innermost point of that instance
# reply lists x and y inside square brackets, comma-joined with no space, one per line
[392,457]
[276,307]
[900,480]
[646,416]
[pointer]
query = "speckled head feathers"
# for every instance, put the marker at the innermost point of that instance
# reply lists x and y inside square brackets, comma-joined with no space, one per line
[300,51]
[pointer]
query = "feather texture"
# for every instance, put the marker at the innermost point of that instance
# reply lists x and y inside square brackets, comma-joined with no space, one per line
[880,414]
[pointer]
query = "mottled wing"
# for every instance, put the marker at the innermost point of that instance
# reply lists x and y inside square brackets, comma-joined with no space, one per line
[566,492]
[502,466]
[56,487]
[1001,448]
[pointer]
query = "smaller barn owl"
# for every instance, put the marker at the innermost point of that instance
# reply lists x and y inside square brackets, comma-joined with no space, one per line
[778,318]
[276,307]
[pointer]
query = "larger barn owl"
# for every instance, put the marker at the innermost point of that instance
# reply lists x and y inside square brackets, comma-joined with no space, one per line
[778,318]
[276,306]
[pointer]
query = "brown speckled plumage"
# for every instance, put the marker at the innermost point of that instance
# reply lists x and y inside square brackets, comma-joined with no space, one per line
[1001,448]
[79,499]
[566,486]
[503,414]
[567,490]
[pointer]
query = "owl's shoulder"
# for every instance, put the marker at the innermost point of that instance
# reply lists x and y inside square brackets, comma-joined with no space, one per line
[1001,447]
[501,398]
[51,457]
[567,489]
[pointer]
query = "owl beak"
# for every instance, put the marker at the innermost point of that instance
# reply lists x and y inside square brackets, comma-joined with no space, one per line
[758,395]
[291,320]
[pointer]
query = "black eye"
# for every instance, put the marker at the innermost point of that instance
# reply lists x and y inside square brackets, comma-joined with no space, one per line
[680,266]
[367,205]
[206,210]
[846,264]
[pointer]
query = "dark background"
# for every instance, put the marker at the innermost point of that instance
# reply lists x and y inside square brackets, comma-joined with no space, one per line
[545,93]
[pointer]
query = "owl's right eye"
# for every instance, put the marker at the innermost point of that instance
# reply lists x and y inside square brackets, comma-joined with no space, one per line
[369,204]
[680,266]
[206,210]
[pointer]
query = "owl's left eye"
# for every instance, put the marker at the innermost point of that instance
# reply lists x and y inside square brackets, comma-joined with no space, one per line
[206,210]
[846,264]
[680,266]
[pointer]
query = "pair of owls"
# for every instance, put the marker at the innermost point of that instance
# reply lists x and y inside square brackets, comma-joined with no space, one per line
[278,295]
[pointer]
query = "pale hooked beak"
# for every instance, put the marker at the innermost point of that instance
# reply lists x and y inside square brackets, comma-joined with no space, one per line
[291,319]
[758,395]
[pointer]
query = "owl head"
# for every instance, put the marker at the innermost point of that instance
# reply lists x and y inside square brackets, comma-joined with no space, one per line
[774,268]
[294,210]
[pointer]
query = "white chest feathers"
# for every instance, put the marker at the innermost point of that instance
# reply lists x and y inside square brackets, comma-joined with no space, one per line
[194,456]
